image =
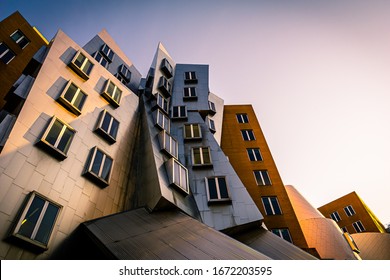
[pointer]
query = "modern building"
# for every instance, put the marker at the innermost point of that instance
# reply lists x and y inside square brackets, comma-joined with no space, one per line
[104,164]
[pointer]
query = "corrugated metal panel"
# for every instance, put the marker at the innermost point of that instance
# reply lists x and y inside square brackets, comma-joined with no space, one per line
[139,234]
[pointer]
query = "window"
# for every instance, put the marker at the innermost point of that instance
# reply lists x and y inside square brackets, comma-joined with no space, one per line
[179,112]
[254,154]
[107,126]
[192,131]
[168,144]
[358,226]
[101,59]
[212,108]
[248,135]
[271,205]
[190,77]
[178,175]
[37,220]
[6,55]
[72,98]
[164,86]
[162,102]
[166,68]
[201,156]
[217,189]
[189,93]
[335,216]
[211,125]
[125,73]
[283,233]
[58,136]
[112,93]
[107,52]
[262,177]
[20,39]
[344,229]
[162,120]
[81,65]
[349,211]
[242,118]
[98,167]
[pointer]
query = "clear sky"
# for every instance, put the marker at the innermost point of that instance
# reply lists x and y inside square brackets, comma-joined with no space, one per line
[316,72]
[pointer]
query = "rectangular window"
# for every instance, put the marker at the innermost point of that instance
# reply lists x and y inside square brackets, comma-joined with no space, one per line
[190,77]
[6,54]
[189,93]
[344,229]
[262,178]
[19,38]
[107,52]
[242,118]
[101,59]
[254,154]
[162,120]
[178,175]
[271,205]
[201,156]
[283,233]
[112,93]
[58,136]
[335,216]
[164,86]
[37,220]
[125,73]
[349,210]
[217,189]
[168,144]
[107,126]
[179,112]
[81,65]
[166,68]
[72,98]
[211,125]
[192,131]
[98,167]
[212,108]
[162,103]
[358,226]
[248,135]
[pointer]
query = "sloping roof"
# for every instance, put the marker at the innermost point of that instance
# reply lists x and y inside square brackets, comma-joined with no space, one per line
[138,234]
[373,245]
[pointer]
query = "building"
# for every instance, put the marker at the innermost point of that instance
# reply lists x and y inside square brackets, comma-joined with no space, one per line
[104,164]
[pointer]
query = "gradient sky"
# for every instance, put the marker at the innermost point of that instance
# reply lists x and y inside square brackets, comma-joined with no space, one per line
[316,72]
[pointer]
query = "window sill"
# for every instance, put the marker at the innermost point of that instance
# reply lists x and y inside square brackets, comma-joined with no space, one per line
[65,103]
[78,71]
[47,147]
[109,99]
[96,179]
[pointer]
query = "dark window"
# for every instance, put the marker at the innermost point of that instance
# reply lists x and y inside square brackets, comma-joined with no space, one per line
[217,189]
[201,156]
[212,125]
[162,120]
[20,39]
[164,86]
[81,65]
[73,98]
[358,226]
[349,210]
[189,93]
[192,131]
[168,144]
[125,73]
[6,54]
[166,68]
[271,205]
[112,93]
[101,59]
[212,107]
[178,175]
[335,216]
[99,166]
[283,233]
[242,118]
[248,135]
[254,154]
[262,177]
[162,103]
[190,77]
[179,112]
[107,52]
[108,126]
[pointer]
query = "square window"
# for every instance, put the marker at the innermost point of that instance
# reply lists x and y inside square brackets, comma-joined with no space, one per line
[212,109]
[283,233]
[107,52]
[217,189]
[179,112]
[72,98]
[248,135]
[98,167]
[349,210]
[178,175]
[36,222]
[271,205]
[162,102]
[242,118]
[164,86]
[19,38]
[81,65]
[335,216]
[166,68]
[57,137]
[112,93]
[201,156]
[211,125]
[254,154]
[190,77]
[6,54]
[107,126]
[101,59]
[358,226]
[189,93]
[162,120]
[168,144]
[262,178]
[192,131]
[124,73]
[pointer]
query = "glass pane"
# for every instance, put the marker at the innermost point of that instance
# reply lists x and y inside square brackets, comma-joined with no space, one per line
[182,111]
[286,235]
[7,57]
[212,188]
[251,155]
[97,162]
[173,147]
[193,91]
[259,179]
[175,111]
[69,94]
[275,205]
[266,179]
[258,155]
[267,206]
[206,156]
[114,128]
[245,118]
[117,95]
[54,132]
[251,135]
[183,179]
[87,67]
[176,173]
[65,140]
[110,88]
[196,130]
[196,153]
[79,102]
[16,35]
[31,218]
[244,135]
[167,144]
[79,60]
[223,188]
[187,131]
[106,168]
[47,224]
[166,123]
[106,122]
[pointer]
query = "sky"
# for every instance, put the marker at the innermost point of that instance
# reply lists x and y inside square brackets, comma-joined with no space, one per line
[316,72]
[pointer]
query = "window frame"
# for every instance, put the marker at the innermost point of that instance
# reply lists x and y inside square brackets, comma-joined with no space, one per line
[107,135]
[273,212]
[249,133]
[252,154]
[164,86]
[279,232]
[212,108]
[349,211]
[166,122]
[335,216]
[211,125]
[166,68]
[179,112]
[162,102]
[218,190]
[110,96]
[359,225]
[125,73]
[69,105]
[190,77]
[110,53]
[169,149]
[6,51]
[189,93]
[21,219]
[202,157]
[101,58]
[97,178]
[183,184]
[21,43]
[242,118]
[80,69]
[192,125]
[262,173]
